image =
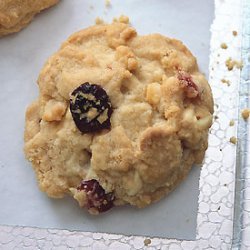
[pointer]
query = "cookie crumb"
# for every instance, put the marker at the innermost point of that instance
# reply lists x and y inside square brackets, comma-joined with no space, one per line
[216,117]
[230,64]
[245,113]
[107,3]
[233,140]
[223,46]
[239,64]
[231,123]
[227,82]
[147,242]
[123,19]
[98,21]
[235,33]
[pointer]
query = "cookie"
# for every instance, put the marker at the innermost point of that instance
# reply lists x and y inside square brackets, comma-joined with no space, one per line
[17,14]
[120,118]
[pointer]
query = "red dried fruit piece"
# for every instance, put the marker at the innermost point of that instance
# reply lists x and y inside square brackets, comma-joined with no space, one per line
[188,84]
[90,108]
[97,200]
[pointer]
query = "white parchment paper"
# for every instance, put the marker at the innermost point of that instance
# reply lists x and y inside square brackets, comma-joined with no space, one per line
[21,58]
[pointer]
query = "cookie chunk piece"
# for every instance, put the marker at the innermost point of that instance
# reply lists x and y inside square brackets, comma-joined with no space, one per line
[155,105]
[16,14]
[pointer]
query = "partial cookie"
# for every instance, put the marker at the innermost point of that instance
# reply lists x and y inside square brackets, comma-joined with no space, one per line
[17,14]
[120,118]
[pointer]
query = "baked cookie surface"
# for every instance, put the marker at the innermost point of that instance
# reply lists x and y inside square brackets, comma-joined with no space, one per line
[157,129]
[16,14]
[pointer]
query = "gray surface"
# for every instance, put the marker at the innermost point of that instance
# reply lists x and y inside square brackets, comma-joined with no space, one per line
[21,58]
[243,146]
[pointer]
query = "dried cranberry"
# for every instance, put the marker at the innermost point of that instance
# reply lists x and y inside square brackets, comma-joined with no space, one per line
[188,84]
[97,199]
[90,108]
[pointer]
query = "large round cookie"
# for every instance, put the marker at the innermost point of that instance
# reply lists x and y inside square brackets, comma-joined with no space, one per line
[161,111]
[16,14]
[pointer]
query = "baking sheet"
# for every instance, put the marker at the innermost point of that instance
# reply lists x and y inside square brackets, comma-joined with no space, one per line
[21,58]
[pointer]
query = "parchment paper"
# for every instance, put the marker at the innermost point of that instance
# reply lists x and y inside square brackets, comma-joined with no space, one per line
[22,56]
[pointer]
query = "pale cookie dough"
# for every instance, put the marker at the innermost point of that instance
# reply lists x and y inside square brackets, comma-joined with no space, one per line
[16,14]
[162,110]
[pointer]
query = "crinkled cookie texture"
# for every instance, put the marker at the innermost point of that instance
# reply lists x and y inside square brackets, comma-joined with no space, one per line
[162,110]
[16,14]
